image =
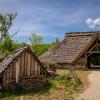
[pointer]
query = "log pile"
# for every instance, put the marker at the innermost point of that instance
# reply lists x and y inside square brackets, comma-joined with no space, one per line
[9,87]
[26,83]
[32,82]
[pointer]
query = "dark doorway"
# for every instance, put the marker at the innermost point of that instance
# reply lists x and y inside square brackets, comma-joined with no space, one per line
[1,82]
[93,61]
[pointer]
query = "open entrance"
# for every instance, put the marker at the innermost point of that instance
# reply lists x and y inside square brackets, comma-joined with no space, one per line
[93,55]
[93,61]
[1,82]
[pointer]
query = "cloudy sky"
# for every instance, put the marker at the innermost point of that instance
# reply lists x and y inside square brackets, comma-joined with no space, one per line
[51,18]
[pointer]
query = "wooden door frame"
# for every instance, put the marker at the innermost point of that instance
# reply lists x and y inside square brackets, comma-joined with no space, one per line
[88,63]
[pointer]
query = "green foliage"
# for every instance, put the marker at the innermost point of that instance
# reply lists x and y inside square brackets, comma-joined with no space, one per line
[61,77]
[6,45]
[18,45]
[6,22]
[35,39]
[41,48]
[38,46]
[78,81]
[56,41]
[70,85]
[77,84]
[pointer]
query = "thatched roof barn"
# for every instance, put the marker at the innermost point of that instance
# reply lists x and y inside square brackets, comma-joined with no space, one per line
[20,67]
[73,49]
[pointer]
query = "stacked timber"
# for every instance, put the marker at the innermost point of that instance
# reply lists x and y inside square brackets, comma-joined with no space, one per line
[35,82]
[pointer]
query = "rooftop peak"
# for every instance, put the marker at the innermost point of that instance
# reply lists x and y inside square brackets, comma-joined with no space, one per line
[72,34]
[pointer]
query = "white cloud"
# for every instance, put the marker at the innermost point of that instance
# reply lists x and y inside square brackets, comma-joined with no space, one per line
[93,23]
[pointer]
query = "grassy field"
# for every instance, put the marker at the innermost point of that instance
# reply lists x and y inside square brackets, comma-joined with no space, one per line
[59,88]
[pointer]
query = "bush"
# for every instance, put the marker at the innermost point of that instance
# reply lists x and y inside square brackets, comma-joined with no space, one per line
[6,46]
[61,77]
[78,81]
[41,48]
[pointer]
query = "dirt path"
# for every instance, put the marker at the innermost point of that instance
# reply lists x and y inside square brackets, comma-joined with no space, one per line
[93,91]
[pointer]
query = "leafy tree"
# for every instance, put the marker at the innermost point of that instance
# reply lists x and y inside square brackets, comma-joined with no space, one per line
[56,41]
[7,45]
[35,39]
[41,48]
[17,45]
[6,22]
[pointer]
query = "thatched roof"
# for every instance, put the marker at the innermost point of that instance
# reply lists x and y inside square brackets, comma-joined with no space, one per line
[7,61]
[70,49]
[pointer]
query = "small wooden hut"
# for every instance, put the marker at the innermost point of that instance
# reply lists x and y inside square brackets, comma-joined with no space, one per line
[23,68]
[78,49]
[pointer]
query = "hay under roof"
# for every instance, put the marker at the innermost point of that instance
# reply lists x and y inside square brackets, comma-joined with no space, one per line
[70,49]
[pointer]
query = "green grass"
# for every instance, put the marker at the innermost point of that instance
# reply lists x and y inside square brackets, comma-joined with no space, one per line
[75,83]
[70,87]
[61,82]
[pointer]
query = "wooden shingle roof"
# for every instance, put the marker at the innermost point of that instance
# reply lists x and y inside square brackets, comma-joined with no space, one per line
[70,49]
[8,60]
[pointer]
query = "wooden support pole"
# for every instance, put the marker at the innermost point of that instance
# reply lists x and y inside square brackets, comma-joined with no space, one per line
[36,67]
[72,74]
[17,72]
[28,69]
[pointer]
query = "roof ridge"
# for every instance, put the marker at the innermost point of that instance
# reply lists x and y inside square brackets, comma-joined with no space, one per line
[19,49]
[74,34]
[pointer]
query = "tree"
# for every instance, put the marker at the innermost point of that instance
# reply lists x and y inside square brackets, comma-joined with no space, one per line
[35,39]
[56,41]
[6,45]
[6,21]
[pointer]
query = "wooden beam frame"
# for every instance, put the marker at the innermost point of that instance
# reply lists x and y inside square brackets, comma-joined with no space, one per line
[87,54]
[90,52]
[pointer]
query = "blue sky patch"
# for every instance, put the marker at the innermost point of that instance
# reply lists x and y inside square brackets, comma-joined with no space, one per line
[51,18]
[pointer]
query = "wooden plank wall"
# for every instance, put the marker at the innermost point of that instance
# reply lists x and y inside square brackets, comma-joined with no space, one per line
[24,66]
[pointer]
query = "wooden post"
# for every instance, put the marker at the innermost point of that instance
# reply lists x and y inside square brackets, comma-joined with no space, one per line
[86,58]
[72,74]
[32,66]
[17,72]
[36,67]
[38,70]
[4,77]
[28,70]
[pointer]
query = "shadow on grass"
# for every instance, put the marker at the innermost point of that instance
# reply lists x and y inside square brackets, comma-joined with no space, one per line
[32,91]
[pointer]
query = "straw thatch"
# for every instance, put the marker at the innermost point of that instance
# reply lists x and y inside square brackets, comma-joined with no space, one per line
[71,48]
